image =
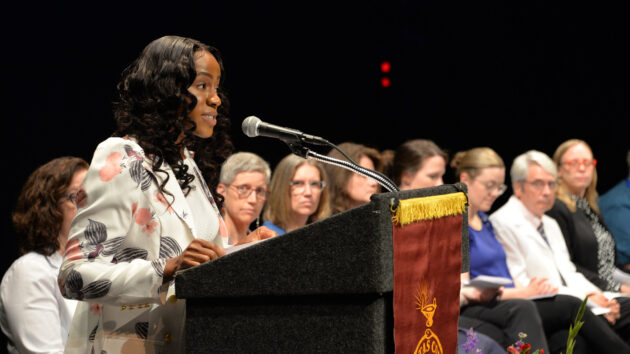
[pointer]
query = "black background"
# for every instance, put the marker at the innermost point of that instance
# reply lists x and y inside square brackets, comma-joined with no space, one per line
[513,76]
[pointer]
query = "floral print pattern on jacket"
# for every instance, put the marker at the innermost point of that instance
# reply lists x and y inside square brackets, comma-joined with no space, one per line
[124,232]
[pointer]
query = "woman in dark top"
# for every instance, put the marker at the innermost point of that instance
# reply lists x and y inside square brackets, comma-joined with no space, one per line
[577,213]
[590,244]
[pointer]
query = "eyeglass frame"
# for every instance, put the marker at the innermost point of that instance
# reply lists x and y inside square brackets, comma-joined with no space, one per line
[315,185]
[539,185]
[246,193]
[491,187]
[587,164]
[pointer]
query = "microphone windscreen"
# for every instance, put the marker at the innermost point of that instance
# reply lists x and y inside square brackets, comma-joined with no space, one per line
[250,126]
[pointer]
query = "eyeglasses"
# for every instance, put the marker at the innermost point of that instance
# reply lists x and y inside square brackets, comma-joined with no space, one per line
[539,185]
[244,191]
[574,164]
[493,186]
[298,186]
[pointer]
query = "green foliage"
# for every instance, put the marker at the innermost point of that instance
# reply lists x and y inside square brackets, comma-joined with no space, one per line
[575,327]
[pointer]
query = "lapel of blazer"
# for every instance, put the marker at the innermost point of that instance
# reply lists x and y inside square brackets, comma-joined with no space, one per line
[526,228]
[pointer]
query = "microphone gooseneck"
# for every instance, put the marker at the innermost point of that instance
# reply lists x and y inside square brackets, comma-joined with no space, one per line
[252,127]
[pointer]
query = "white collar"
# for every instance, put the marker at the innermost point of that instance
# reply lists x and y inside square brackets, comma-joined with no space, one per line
[528,215]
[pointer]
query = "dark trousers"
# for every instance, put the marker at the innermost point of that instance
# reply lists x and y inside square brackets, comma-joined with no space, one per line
[622,326]
[558,313]
[504,320]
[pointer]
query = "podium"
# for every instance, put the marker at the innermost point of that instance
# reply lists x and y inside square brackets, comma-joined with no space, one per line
[324,288]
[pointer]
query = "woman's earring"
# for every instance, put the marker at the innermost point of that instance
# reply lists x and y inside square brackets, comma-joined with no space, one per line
[258,221]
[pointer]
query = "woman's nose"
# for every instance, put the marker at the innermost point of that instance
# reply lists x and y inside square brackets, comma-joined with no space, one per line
[214,100]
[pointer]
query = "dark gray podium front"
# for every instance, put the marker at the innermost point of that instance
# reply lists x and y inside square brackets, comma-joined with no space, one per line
[325,288]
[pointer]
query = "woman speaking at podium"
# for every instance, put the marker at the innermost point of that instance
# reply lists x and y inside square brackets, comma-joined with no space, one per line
[145,210]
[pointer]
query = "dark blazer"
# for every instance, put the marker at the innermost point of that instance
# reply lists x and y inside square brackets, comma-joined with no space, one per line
[581,241]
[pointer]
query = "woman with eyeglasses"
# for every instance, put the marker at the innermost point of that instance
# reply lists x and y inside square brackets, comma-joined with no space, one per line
[243,184]
[546,320]
[590,243]
[298,195]
[33,314]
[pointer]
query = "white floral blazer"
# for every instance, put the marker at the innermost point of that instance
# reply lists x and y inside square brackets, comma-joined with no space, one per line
[119,241]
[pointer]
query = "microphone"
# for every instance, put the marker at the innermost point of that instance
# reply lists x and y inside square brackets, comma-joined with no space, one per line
[252,127]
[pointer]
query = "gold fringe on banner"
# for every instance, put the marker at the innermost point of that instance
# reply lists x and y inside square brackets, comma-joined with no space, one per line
[431,207]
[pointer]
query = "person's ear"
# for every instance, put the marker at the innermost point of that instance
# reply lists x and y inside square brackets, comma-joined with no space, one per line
[405,179]
[465,178]
[221,189]
[518,189]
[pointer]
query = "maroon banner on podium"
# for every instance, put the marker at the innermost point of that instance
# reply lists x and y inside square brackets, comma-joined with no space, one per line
[427,266]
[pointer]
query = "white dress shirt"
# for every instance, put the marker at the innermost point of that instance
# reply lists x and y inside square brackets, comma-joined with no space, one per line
[528,255]
[34,315]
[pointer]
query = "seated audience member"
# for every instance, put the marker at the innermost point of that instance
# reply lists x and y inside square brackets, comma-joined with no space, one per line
[348,189]
[418,163]
[298,195]
[243,184]
[483,172]
[421,164]
[590,244]
[615,208]
[501,320]
[533,242]
[33,314]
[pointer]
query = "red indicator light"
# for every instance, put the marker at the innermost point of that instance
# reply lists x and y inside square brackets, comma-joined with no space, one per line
[385,82]
[386,67]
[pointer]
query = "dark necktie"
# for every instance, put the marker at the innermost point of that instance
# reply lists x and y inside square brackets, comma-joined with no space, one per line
[541,230]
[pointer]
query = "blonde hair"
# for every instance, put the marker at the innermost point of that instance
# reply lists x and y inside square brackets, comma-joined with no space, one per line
[473,160]
[590,194]
[278,204]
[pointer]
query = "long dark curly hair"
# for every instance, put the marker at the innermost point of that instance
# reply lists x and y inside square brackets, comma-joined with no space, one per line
[153,105]
[37,216]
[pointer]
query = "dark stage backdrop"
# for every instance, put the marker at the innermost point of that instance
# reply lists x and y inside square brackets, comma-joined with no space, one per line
[512,76]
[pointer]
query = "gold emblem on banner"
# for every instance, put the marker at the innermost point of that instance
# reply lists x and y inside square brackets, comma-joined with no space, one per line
[429,343]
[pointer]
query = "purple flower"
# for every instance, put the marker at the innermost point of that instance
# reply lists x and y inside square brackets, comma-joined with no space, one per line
[471,341]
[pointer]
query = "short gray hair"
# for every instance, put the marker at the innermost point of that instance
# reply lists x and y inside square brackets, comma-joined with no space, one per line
[521,164]
[243,162]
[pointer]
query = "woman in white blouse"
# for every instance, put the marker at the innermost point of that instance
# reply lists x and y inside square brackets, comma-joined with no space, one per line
[33,314]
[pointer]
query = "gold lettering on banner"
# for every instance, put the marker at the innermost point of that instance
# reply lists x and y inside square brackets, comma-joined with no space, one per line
[429,343]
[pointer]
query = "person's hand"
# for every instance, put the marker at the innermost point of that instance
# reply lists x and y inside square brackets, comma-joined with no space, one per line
[198,251]
[477,295]
[615,311]
[599,299]
[624,289]
[613,305]
[260,233]
[539,287]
